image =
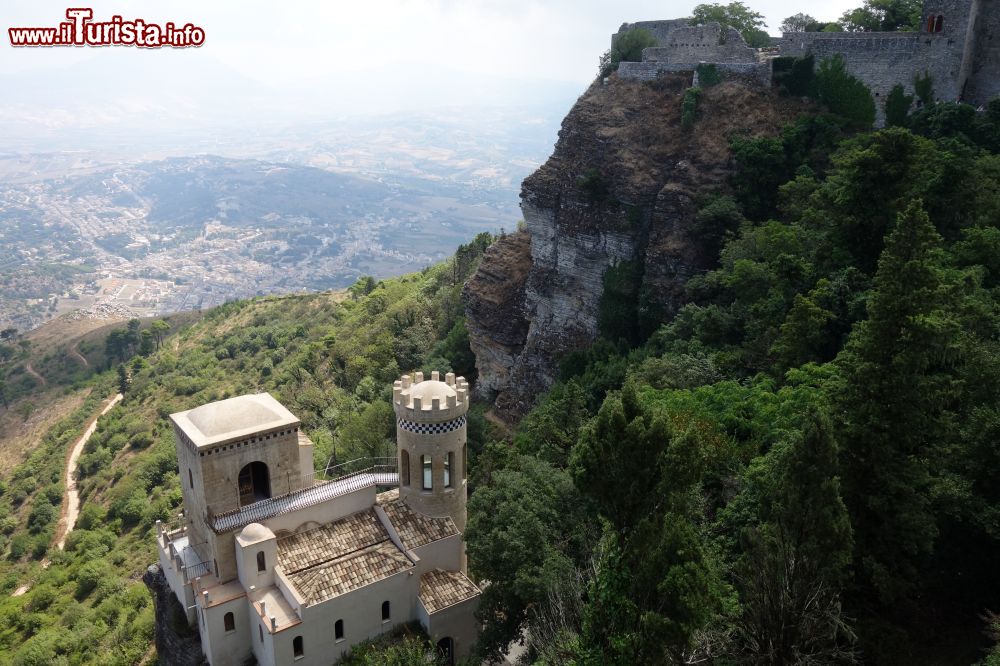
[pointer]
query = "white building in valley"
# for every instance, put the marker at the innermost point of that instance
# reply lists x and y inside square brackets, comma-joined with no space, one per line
[273,564]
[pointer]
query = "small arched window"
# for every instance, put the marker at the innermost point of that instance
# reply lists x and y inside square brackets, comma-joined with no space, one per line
[930,23]
[261,563]
[385,611]
[449,464]
[229,622]
[297,650]
[465,461]
[425,465]
[404,463]
[338,630]
[939,23]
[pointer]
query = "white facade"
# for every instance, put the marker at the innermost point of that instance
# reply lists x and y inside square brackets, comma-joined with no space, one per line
[272,564]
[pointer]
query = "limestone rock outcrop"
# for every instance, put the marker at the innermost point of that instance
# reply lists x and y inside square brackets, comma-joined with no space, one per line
[621,185]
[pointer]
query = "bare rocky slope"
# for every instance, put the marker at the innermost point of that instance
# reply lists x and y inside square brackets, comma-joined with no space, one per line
[621,186]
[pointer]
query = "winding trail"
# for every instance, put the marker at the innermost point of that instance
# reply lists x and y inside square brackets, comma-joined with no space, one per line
[31,371]
[71,497]
[75,351]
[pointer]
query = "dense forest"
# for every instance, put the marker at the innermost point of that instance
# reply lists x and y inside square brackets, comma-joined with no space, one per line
[801,466]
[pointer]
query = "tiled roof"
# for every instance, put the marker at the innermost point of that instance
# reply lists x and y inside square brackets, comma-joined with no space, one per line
[350,572]
[414,528]
[440,589]
[327,542]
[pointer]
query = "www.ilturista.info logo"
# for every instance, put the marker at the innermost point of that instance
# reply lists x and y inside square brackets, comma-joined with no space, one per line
[81,30]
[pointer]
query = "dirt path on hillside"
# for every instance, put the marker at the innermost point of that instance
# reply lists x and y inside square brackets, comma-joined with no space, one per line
[76,352]
[71,497]
[31,371]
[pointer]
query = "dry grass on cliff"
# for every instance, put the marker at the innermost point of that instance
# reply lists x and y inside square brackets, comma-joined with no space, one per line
[506,264]
[636,128]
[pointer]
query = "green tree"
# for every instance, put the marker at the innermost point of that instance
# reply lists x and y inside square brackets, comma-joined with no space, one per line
[897,107]
[528,533]
[160,328]
[884,16]
[843,94]
[923,86]
[896,382]
[655,585]
[796,552]
[800,23]
[146,343]
[124,378]
[736,15]
[625,47]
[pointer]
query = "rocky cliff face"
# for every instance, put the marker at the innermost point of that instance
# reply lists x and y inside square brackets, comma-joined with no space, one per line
[620,187]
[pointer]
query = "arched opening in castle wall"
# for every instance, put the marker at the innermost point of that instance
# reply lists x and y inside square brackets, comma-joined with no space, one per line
[254,483]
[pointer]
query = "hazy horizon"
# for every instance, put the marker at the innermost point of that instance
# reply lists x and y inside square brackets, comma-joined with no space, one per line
[263,65]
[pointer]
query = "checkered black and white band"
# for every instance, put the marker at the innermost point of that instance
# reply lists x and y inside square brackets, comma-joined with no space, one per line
[431,428]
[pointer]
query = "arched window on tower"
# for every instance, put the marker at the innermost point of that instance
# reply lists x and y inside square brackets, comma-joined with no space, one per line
[449,464]
[254,483]
[261,564]
[190,479]
[939,23]
[930,23]
[425,465]
[465,461]
[404,462]
[229,622]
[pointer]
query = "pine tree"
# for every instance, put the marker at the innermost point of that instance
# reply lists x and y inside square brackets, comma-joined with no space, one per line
[796,557]
[895,387]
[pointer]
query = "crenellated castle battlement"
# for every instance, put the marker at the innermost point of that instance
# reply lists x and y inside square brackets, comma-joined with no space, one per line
[430,401]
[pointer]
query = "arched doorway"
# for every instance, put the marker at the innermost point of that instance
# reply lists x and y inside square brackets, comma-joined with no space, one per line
[254,483]
[446,648]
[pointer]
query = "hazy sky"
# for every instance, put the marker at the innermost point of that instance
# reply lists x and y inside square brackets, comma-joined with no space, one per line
[327,56]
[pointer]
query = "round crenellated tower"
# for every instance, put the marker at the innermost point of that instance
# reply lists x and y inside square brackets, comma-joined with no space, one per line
[431,442]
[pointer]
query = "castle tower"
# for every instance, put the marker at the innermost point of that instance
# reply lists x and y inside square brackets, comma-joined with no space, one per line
[230,454]
[431,442]
[956,21]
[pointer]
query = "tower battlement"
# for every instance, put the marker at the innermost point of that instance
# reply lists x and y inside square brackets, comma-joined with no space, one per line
[430,401]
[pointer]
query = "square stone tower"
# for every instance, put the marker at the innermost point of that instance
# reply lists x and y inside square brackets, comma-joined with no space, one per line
[230,454]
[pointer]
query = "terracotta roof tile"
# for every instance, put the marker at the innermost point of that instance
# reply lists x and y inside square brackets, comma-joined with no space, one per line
[327,542]
[440,589]
[416,529]
[350,572]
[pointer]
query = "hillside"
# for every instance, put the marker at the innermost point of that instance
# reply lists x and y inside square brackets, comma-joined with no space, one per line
[330,357]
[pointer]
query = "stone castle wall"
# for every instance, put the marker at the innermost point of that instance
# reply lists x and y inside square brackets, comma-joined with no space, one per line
[963,58]
[984,82]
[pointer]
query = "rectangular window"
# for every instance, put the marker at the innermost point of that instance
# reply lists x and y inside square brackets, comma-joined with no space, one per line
[449,463]
[465,461]
[425,463]
[338,630]
[297,650]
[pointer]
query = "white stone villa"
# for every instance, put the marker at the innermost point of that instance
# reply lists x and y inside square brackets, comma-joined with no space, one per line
[272,564]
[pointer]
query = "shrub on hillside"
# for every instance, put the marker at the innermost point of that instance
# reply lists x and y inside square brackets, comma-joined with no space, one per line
[625,47]
[843,94]
[897,107]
